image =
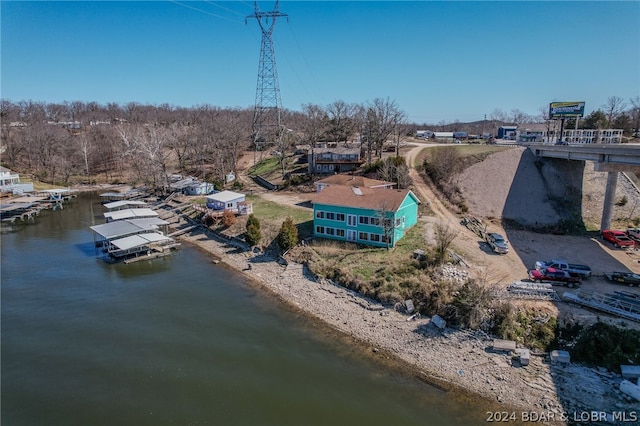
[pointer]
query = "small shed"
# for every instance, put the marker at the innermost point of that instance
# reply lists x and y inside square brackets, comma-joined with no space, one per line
[225,200]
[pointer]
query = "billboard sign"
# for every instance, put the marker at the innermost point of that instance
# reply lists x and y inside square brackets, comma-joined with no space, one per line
[566,109]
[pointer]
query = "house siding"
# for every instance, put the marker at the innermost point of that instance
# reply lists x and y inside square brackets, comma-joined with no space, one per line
[365,233]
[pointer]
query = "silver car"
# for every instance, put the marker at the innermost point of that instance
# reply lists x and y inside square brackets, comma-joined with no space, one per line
[498,243]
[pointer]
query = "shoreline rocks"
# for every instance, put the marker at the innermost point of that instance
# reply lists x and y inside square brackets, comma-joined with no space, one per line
[446,358]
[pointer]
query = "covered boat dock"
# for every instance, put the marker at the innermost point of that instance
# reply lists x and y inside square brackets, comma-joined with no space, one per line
[124,228]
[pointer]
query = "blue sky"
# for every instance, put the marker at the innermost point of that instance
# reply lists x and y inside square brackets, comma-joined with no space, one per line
[439,61]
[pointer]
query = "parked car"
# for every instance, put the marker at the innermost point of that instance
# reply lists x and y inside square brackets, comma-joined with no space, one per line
[498,243]
[628,278]
[554,276]
[634,233]
[574,269]
[617,238]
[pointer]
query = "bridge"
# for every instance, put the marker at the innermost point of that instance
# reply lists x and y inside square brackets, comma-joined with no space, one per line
[607,158]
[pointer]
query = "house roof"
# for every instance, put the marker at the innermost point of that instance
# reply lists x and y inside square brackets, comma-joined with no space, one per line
[364,198]
[337,150]
[225,196]
[350,180]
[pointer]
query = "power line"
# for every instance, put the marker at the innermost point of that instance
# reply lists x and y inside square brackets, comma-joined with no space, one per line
[224,8]
[205,12]
[304,58]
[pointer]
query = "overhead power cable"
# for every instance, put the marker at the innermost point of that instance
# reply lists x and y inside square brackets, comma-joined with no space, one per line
[225,8]
[206,12]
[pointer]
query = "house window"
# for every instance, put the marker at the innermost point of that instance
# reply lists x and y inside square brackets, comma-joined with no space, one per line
[320,215]
[364,220]
[363,236]
[340,232]
[319,167]
[331,215]
[330,231]
[340,217]
[375,237]
[229,205]
[319,229]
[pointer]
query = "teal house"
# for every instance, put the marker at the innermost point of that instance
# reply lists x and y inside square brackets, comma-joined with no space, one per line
[373,216]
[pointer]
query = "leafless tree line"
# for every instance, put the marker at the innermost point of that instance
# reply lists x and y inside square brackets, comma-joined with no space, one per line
[135,143]
[144,143]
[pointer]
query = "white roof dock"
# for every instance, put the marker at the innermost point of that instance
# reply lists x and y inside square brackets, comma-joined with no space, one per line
[129,214]
[118,205]
[140,240]
[126,227]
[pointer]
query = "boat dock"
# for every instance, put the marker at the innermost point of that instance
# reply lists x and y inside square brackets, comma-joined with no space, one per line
[26,207]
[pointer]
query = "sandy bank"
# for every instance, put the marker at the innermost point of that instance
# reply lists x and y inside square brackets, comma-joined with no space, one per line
[450,358]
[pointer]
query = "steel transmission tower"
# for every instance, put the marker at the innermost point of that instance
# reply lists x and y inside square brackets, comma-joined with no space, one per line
[267,127]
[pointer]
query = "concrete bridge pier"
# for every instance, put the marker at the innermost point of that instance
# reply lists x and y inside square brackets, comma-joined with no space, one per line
[609,200]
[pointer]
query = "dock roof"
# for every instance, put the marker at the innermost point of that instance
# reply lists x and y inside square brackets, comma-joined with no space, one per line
[127,227]
[139,240]
[129,214]
[118,204]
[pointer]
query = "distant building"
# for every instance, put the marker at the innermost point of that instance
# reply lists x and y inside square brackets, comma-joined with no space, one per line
[507,132]
[443,135]
[540,132]
[333,160]
[10,182]
[460,135]
[424,134]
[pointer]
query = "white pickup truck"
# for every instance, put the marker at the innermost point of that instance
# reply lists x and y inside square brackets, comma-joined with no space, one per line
[580,271]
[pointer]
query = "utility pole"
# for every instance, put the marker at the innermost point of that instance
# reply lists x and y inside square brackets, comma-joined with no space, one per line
[267,126]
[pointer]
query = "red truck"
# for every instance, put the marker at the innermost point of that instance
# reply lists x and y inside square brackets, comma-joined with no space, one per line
[619,239]
[553,275]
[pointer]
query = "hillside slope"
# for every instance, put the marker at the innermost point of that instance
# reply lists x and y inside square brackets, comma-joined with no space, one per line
[515,186]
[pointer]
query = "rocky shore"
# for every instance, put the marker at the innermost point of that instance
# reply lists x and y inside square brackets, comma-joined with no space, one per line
[451,359]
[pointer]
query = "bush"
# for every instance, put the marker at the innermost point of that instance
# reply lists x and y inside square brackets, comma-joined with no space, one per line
[288,235]
[527,327]
[253,235]
[608,346]
[228,218]
[470,305]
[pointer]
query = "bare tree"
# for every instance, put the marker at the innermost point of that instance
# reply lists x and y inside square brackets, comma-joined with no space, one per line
[613,108]
[342,121]
[498,115]
[314,124]
[382,116]
[444,236]
[384,219]
[519,117]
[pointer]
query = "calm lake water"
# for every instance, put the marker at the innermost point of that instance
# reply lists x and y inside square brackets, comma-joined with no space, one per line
[177,341]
